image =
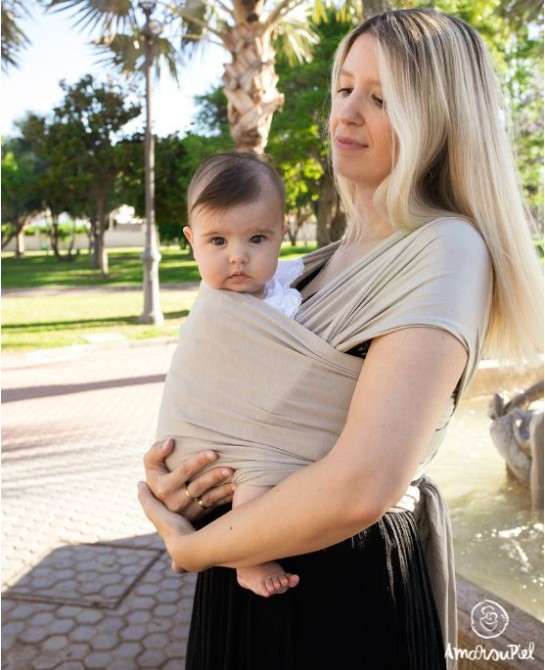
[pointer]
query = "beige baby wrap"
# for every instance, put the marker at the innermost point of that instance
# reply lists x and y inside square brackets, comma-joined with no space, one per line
[271,394]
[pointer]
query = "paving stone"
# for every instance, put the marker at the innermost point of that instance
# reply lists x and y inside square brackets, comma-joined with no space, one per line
[152,658]
[139,617]
[104,641]
[89,616]
[55,643]
[165,610]
[128,650]
[133,632]
[99,659]
[68,483]
[13,628]
[82,633]
[33,635]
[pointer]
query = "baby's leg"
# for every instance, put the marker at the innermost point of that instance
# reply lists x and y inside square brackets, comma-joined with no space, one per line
[266,579]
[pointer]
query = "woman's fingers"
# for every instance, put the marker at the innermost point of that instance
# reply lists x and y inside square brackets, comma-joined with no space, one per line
[170,486]
[154,459]
[219,495]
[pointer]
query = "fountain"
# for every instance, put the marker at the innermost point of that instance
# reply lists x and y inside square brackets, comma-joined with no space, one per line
[498,535]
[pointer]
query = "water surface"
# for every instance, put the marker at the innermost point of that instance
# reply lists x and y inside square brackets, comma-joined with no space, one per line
[498,539]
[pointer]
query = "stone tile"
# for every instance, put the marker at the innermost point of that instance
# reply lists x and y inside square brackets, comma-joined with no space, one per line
[56,577]
[69,481]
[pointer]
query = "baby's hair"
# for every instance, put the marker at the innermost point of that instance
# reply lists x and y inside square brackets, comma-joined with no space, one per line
[231,178]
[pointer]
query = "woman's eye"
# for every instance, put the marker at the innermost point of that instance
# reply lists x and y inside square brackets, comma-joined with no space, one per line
[257,239]
[344,90]
[217,241]
[379,102]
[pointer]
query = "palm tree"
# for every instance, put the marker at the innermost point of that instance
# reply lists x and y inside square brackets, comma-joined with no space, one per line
[242,27]
[13,37]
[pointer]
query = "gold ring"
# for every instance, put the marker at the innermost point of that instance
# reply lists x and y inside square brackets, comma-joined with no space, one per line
[197,500]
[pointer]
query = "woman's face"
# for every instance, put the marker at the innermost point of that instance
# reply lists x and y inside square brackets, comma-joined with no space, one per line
[362,137]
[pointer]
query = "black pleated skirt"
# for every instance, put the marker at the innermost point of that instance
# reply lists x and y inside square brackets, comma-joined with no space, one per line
[363,604]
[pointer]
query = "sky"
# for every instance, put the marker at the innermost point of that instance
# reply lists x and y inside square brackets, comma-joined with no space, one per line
[58,51]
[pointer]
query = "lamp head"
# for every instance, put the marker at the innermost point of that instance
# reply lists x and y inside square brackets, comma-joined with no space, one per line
[147,6]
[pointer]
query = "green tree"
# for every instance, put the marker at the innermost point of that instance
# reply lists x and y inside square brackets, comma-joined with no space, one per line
[90,120]
[243,27]
[172,175]
[297,134]
[21,197]
[79,145]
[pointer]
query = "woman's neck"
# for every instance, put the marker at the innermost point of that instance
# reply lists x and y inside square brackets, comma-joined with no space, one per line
[372,225]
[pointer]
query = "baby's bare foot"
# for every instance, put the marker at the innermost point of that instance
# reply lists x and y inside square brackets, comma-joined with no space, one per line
[267,579]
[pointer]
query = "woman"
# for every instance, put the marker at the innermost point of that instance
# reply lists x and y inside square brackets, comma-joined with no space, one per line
[426,176]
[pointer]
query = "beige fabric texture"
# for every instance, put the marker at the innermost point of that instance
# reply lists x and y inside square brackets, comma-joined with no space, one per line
[271,394]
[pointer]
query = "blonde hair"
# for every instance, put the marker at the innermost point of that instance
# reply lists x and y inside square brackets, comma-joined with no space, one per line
[453,157]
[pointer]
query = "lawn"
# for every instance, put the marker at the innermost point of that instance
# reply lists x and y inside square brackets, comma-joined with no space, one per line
[38,269]
[73,317]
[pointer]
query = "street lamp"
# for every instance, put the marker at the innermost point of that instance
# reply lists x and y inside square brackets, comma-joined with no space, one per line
[151,256]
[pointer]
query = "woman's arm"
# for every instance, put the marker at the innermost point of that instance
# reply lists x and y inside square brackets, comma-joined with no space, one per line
[404,386]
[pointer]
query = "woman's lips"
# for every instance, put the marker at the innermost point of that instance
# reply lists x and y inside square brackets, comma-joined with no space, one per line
[348,144]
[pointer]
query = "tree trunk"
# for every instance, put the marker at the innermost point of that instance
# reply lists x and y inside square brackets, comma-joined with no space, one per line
[54,234]
[20,243]
[101,252]
[250,82]
[93,245]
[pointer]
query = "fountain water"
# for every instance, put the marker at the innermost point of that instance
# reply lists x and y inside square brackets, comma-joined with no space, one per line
[498,538]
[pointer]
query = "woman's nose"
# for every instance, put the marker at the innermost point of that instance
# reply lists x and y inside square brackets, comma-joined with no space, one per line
[351,111]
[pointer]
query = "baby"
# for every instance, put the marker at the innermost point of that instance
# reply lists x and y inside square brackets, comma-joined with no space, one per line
[236,227]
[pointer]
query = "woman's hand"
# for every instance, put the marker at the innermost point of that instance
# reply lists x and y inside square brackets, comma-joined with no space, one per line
[170,487]
[172,527]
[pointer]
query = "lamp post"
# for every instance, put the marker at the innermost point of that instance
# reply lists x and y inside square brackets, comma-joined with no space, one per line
[151,256]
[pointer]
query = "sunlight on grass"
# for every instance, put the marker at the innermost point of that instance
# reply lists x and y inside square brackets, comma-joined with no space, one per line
[65,320]
[75,318]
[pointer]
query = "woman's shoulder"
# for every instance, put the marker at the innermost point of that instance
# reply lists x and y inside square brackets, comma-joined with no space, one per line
[455,238]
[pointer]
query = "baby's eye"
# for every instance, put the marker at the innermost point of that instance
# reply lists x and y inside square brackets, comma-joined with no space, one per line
[217,241]
[257,239]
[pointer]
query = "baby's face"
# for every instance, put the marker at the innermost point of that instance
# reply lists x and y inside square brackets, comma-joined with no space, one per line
[237,250]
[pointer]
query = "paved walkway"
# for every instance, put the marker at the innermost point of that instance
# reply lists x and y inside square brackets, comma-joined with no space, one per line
[86,582]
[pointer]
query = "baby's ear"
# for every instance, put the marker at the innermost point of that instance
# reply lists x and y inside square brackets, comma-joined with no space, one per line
[188,234]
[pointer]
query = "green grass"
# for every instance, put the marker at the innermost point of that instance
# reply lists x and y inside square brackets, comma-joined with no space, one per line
[38,269]
[68,318]
[65,320]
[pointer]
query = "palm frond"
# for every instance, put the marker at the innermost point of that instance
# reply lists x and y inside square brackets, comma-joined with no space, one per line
[110,16]
[14,38]
[127,53]
[297,38]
